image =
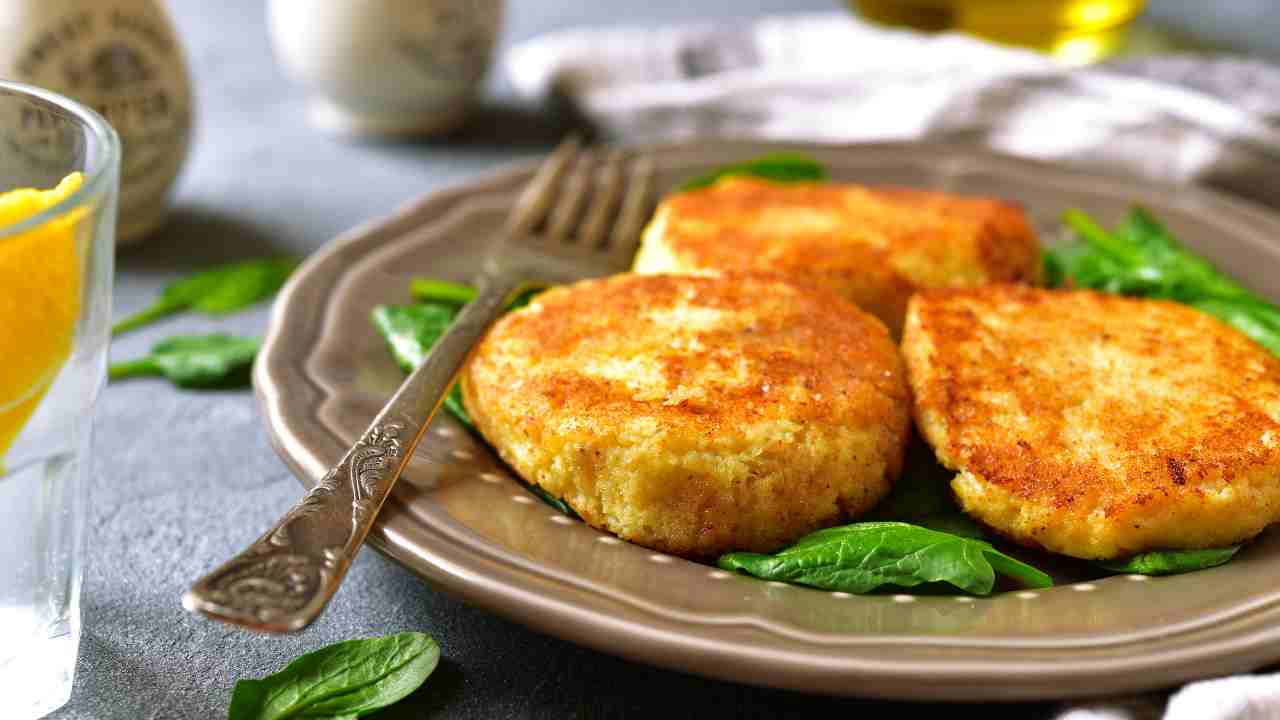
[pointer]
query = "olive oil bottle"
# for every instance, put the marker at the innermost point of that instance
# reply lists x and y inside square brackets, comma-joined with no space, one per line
[1075,30]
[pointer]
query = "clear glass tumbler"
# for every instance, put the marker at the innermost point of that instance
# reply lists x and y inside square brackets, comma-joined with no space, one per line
[59,172]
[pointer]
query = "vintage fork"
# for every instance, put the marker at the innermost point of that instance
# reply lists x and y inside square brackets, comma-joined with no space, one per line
[282,581]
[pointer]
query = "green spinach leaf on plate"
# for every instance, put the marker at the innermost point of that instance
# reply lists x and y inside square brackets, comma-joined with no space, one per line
[195,361]
[346,680]
[430,290]
[866,556]
[1142,258]
[778,167]
[1171,562]
[410,332]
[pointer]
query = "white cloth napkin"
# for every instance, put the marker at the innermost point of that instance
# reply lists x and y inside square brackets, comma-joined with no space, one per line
[831,78]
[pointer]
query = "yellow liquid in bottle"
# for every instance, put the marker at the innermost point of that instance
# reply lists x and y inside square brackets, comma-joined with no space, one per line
[1078,31]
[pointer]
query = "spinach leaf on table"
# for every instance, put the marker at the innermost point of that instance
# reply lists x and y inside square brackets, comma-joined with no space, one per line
[1142,258]
[195,361]
[216,291]
[343,681]
[865,556]
[778,167]
[1171,562]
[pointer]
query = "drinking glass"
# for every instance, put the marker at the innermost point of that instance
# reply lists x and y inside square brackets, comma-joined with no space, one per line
[55,310]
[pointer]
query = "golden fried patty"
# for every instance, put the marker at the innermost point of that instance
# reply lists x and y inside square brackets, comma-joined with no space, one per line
[1095,425]
[875,247]
[693,414]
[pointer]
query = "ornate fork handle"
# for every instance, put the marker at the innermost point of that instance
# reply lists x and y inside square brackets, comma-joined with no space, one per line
[282,581]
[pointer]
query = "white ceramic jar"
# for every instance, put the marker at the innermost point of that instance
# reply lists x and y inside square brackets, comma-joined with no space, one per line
[121,58]
[387,67]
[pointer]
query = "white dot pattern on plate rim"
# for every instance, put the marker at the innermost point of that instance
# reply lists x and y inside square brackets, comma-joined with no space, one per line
[1028,595]
[491,478]
[904,598]
[1084,587]
[561,520]
[522,499]
[461,454]
[608,540]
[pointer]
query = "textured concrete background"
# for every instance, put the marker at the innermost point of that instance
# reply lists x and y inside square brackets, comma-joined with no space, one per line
[181,480]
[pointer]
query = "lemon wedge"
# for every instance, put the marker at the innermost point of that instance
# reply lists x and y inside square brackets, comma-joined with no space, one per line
[40,278]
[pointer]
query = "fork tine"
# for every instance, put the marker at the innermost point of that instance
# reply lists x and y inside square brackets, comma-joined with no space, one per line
[595,228]
[564,216]
[635,207]
[537,196]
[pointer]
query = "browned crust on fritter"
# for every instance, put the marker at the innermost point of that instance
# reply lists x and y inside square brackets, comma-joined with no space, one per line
[810,337]
[1135,424]
[782,355]
[874,246]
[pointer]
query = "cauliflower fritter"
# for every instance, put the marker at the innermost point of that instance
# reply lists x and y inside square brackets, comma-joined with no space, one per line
[696,415]
[1096,425]
[873,246]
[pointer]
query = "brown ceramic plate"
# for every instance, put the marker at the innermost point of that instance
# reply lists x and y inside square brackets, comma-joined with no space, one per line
[463,523]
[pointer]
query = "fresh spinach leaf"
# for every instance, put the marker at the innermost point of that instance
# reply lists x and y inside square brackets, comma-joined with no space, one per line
[552,500]
[195,361]
[410,331]
[346,680]
[1142,258]
[430,290]
[216,291]
[778,167]
[865,556]
[1172,562]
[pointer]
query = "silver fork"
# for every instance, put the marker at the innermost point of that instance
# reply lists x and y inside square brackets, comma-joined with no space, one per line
[282,581]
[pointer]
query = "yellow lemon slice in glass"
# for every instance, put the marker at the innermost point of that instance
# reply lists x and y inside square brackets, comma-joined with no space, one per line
[39,301]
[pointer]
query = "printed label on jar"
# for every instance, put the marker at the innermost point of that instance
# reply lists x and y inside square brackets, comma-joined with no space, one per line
[125,63]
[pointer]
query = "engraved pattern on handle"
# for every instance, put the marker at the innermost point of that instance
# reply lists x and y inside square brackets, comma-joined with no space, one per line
[282,581]
[275,577]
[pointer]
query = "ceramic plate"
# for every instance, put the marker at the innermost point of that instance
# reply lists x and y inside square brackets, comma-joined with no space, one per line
[461,521]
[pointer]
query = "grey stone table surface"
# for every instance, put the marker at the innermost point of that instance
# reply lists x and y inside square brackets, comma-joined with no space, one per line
[180,480]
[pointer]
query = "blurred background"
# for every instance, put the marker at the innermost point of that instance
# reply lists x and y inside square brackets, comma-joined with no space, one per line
[243,91]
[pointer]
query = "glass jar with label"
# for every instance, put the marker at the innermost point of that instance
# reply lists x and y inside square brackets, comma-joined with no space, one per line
[121,58]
